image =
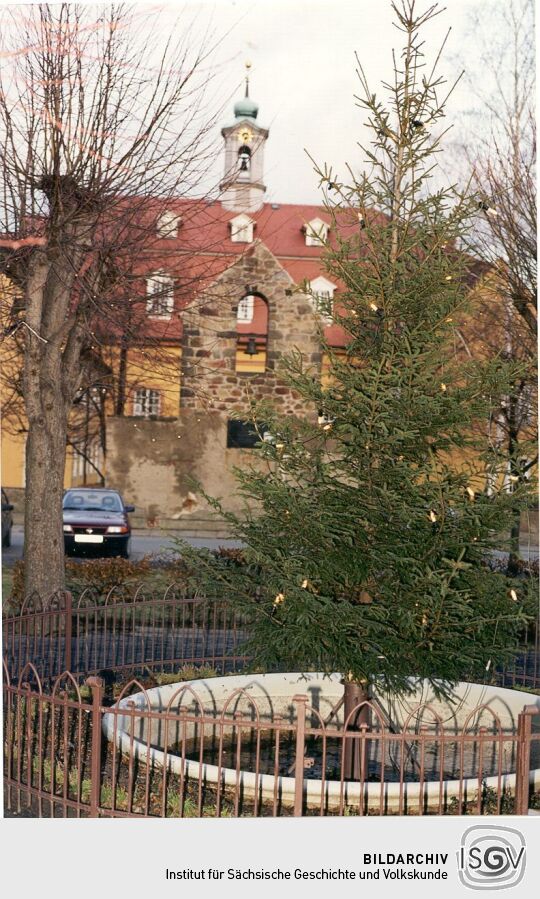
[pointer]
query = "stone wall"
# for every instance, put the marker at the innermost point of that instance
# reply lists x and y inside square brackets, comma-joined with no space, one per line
[154,464]
[209,379]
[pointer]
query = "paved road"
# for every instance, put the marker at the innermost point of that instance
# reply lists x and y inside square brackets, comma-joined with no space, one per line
[146,544]
[141,544]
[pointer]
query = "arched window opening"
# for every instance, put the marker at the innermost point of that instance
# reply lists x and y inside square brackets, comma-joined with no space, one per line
[244,158]
[252,334]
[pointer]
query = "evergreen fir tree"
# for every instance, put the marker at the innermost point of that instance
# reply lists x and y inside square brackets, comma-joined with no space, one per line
[370,523]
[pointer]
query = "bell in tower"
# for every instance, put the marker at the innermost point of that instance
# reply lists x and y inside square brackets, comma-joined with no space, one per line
[242,185]
[244,156]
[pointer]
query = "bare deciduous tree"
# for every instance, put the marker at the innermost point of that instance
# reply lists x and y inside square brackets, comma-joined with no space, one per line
[502,157]
[100,127]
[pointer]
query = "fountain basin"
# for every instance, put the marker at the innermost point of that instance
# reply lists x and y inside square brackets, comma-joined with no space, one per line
[192,730]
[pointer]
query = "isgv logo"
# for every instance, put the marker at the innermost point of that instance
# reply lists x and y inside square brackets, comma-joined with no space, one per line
[491,857]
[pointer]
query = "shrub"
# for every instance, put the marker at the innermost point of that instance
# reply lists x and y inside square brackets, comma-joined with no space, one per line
[17,588]
[104,574]
[100,574]
[234,557]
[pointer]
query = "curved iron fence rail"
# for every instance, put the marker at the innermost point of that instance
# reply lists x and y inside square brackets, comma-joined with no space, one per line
[57,761]
[122,631]
[116,633]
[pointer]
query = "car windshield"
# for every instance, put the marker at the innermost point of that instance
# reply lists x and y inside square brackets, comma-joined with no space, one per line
[92,501]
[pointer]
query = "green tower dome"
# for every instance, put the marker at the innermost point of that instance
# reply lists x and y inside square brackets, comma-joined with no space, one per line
[246,108]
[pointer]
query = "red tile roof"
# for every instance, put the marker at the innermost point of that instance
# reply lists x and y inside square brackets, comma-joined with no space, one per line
[203,249]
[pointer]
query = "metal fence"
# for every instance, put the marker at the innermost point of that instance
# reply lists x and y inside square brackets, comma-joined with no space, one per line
[122,632]
[73,749]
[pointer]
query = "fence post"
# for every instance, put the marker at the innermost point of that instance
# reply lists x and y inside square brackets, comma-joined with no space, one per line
[523,759]
[96,686]
[68,629]
[301,701]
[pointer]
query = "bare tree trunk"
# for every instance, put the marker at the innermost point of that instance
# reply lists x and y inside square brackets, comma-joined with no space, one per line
[102,435]
[122,380]
[513,556]
[48,394]
[86,435]
[43,534]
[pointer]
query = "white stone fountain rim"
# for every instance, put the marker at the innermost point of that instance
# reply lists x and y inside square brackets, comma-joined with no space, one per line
[334,791]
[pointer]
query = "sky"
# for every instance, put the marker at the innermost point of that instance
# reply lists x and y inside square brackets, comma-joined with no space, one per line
[304,78]
[303,73]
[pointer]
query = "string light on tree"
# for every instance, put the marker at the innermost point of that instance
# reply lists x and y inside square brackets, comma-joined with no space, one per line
[490,211]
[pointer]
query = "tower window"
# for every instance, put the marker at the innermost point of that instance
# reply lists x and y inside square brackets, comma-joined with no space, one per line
[160,295]
[146,402]
[244,158]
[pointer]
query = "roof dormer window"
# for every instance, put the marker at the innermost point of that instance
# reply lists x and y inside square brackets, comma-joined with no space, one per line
[160,295]
[316,232]
[322,297]
[167,224]
[242,229]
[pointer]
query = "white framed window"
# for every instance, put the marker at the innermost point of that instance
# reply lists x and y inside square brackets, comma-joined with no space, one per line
[242,229]
[146,402]
[167,224]
[322,297]
[245,309]
[160,295]
[316,232]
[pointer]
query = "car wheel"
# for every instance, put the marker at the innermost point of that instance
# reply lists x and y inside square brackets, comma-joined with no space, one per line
[7,539]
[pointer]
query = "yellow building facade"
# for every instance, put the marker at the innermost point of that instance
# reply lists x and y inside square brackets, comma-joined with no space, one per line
[152,390]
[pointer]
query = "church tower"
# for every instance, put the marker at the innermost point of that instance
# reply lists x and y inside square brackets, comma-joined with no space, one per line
[242,186]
